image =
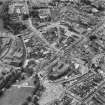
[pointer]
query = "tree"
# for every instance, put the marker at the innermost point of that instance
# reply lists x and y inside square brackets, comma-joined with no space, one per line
[1,93]
[29,98]
[1,2]
[35,99]
[25,103]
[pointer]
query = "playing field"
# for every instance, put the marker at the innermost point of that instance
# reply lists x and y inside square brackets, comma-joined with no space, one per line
[15,96]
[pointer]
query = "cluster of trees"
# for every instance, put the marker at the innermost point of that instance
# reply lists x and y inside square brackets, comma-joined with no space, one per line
[30,68]
[15,28]
[37,90]
[36,94]
[9,24]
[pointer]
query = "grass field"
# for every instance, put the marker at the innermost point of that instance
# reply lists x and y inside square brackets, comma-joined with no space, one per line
[15,96]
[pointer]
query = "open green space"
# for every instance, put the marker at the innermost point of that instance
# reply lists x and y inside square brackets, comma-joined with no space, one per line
[15,96]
